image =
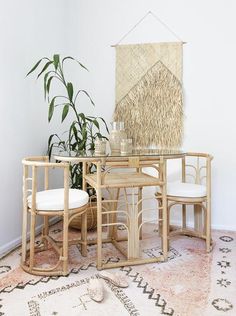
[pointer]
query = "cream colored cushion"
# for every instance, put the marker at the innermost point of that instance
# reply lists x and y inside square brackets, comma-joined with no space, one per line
[181,189]
[53,200]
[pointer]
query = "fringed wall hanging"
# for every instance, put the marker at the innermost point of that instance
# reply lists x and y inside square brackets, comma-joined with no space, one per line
[149,92]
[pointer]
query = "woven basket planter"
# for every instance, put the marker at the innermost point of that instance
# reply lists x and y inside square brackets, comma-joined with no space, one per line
[91,218]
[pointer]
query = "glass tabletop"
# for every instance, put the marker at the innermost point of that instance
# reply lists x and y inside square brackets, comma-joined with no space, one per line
[144,152]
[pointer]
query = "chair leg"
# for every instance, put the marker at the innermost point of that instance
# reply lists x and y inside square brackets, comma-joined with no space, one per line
[65,244]
[208,227]
[140,206]
[160,225]
[99,229]
[24,237]
[197,218]
[160,217]
[32,241]
[168,226]
[45,230]
[184,225]
[165,228]
[84,235]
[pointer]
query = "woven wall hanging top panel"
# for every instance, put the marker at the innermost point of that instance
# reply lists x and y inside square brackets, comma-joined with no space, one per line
[149,93]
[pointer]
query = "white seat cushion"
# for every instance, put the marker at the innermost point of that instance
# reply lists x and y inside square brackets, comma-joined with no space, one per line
[53,200]
[188,190]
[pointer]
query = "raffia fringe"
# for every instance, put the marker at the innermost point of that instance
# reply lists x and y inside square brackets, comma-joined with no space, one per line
[153,109]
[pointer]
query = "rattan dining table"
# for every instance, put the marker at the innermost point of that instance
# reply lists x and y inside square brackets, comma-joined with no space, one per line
[113,172]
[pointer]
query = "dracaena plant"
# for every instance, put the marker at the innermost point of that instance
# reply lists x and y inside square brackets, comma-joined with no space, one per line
[83,130]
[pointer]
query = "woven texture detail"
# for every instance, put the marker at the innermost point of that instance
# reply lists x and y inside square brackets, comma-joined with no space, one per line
[149,93]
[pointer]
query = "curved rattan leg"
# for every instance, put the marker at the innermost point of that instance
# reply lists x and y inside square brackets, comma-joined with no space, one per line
[42,272]
[53,270]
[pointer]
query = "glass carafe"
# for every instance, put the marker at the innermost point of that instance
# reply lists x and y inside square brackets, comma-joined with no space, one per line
[116,135]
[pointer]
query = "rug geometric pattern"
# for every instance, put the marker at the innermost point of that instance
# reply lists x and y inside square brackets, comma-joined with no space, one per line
[190,283]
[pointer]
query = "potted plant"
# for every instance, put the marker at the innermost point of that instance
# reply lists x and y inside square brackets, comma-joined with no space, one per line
[83,130]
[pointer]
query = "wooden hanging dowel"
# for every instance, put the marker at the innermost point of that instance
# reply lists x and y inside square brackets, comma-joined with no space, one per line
[115,45]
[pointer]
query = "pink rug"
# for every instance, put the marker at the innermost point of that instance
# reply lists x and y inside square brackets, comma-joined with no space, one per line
[190,283]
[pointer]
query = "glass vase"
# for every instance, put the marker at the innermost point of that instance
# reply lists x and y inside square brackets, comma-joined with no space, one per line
[116,135]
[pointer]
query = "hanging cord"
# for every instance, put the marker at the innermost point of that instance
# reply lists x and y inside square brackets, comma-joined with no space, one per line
[155,17]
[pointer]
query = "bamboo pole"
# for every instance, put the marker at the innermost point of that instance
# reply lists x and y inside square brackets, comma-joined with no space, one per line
[84,234]
[33,215]
[208,211]
[164,212]
[65,221]
[183,206]
[99,217]
[25,209]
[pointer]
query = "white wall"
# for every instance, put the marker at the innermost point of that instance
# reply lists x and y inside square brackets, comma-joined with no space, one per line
[209,73]
[29,29]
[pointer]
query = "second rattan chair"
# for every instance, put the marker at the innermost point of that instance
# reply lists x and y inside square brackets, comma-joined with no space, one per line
[63,202]
[195,189]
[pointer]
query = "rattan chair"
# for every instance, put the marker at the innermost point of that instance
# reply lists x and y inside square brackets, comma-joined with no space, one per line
[64,202]
[194,189]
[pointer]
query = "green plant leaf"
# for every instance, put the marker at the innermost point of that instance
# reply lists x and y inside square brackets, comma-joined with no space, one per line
[65,112]
[56,60]
[89,119]
[81,65]
[45,84]
[73,132]
[62,143]
[82,145]
[85,92]
[83,117]
[104,124]
[70,90]
[51,109]
[69,57]
[50,139]
[73,146]
[49,84]
[44,68]
[84,133]
[50,151]
[36,65]
[51,145]
[99,135]
[95,122]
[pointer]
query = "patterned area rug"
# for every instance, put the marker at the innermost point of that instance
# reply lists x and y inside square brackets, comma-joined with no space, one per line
[190,283]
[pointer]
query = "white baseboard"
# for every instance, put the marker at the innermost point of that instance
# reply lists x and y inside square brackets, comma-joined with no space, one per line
[222,227]
[5,249]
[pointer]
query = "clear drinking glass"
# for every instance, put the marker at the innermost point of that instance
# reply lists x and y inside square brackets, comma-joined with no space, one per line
[126,146]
